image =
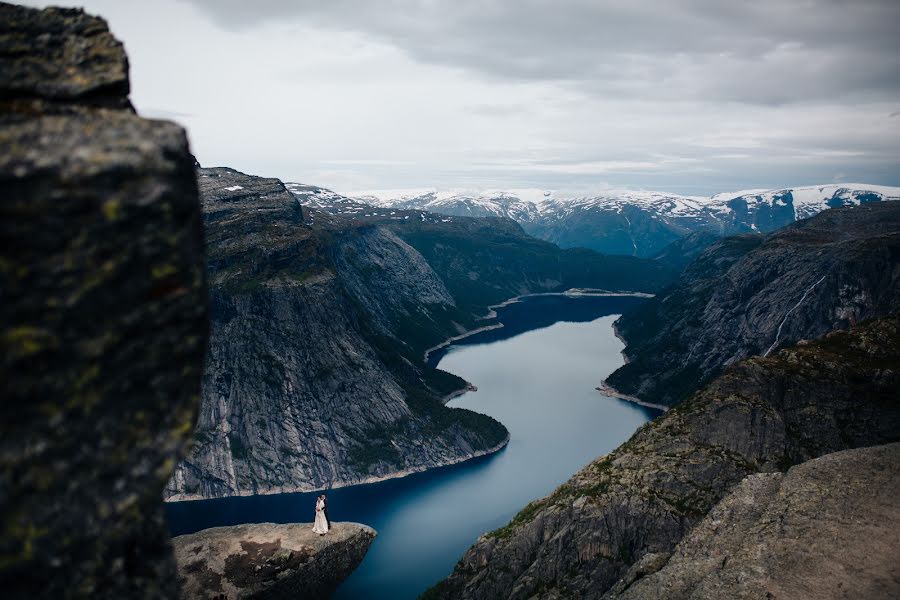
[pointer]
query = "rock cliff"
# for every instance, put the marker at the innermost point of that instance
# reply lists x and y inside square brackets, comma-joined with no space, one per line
[626,512]
[752,294]
[102,315]
[266,560]
[315,375]
[825,529]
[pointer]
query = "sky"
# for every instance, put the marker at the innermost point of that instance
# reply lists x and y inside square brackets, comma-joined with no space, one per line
[686,96]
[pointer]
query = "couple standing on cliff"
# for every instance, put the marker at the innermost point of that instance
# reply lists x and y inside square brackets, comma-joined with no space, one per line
[322,524]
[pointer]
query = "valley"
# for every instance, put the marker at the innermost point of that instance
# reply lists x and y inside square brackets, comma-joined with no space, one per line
[420,283]
[519,394]
[314,376]
[537,375]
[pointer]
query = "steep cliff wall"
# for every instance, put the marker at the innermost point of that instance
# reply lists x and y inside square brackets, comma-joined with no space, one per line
[630,508]
[102,315]
[751,294]
[309,383]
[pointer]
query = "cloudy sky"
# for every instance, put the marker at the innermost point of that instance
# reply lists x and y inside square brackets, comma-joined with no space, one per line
[690,96]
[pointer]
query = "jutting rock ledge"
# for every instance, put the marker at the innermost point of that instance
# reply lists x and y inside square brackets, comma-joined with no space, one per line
[269,561]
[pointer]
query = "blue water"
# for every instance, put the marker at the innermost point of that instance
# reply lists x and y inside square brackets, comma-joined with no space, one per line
[537,376]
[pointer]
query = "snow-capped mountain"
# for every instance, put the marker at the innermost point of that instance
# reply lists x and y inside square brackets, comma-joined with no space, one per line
[619,221]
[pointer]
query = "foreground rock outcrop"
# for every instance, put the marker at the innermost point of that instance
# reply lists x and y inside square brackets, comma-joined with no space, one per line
[102,315]
[266,560]
[633,506]
[827,528]
[750,295]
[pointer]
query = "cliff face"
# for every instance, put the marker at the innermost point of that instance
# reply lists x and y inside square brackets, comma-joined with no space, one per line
[307,382]
[315,376]
[825,529]
[622,515]
[102,315]
[270,561]
[749,295]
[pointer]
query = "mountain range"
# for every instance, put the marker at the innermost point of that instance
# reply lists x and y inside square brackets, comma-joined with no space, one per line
[635,223]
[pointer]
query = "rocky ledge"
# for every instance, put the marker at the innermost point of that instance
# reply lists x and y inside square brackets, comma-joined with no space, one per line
[825,529]
[266,560]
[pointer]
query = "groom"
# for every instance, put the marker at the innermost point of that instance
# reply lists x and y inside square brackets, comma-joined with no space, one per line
[325,510]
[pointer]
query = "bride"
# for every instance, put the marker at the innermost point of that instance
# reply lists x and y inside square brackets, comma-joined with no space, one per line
[320,526]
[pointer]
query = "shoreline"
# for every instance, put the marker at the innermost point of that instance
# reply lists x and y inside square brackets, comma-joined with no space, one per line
[469,387]
[366,481]
[456,338]
[621,339]
[569,293]
[607,390]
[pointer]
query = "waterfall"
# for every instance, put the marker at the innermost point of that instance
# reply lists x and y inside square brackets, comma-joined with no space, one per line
[788,313]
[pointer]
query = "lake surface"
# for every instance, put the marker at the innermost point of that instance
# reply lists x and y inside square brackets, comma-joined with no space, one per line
[536,375]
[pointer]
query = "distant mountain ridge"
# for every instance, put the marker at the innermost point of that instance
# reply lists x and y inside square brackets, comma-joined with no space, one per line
[637,223]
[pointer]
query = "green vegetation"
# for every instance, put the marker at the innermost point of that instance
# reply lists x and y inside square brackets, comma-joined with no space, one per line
[486,261]
[375,450]
[526,515]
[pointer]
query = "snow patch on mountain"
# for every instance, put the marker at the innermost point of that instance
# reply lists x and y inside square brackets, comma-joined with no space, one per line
[614,221]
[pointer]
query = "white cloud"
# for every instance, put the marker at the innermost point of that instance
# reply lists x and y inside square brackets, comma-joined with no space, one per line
[694,96]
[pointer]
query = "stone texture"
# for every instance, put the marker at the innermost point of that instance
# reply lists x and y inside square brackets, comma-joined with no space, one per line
[753,294]
[102,315]
[266,560]
[59,60]
[634,505]
[829,528]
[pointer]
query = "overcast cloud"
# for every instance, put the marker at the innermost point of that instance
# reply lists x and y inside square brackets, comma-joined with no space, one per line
[692,96]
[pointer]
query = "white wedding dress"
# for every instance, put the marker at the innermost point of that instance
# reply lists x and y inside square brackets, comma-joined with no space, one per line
[321,523]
